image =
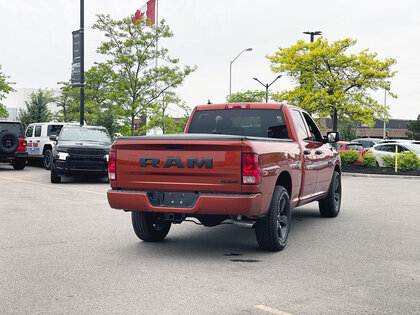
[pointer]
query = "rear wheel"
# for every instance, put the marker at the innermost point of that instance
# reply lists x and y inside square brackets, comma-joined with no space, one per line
[330,206]
[47,159]
[54,177]
[19,163]
[272,230]
[148,227]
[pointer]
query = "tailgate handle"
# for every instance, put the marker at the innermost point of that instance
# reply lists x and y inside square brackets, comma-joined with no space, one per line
[174,146]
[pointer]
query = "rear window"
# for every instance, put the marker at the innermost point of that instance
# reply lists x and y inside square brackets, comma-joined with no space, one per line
[13,127]
[267,123]
[354,146]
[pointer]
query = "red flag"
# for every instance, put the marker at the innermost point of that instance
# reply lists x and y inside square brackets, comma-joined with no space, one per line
[148,9]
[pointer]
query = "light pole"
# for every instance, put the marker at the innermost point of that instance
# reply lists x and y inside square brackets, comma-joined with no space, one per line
[313,34]
[267,86]
[230,69]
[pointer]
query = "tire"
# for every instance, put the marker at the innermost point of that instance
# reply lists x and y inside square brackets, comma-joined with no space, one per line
[329,207]
[55,179]
[19,163]
[9,143]
[148,228]
[47,160]
[272,230]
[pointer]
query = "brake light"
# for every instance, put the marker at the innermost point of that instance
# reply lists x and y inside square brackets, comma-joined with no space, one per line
[237,106]
[112,158]
[22,145]
[251,172]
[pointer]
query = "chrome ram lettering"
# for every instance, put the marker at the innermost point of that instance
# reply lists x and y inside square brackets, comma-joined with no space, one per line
[191,163]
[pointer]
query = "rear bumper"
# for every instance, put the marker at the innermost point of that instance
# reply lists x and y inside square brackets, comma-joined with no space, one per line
[11,157]
[223,204]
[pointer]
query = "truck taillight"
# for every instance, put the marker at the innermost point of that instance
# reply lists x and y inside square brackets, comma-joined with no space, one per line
[22,145]
[112,159]
[251,172]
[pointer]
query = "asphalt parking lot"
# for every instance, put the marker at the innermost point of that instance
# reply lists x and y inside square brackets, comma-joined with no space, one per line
[63,250]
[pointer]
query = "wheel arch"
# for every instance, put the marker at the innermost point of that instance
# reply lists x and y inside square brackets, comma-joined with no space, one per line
[285,180]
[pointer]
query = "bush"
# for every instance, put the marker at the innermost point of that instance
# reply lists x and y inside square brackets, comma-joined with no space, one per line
[369,160]
[349,157]
[408,161]
[389,160]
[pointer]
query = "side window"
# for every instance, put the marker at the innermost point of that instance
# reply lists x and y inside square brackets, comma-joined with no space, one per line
[313,129]
[339,146]
[300,125]
[402,149]
[54,130]
[29,131]
[37,131]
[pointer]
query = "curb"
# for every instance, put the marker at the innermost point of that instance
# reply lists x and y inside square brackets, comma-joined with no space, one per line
[379,176]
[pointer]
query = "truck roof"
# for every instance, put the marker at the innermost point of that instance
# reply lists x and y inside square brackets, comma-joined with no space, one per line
[251,106]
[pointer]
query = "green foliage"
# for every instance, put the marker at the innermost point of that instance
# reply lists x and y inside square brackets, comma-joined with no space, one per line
[247,96]
[349,157]
[369,160]
[5,88]
[331,83]
[388,160]
[408,161]
[347,131]
[136,83]
[37,108]
[414,127]
[160,116]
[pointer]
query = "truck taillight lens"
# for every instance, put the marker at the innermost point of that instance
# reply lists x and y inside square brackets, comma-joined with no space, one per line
[22,145]
[112,159]
[251,172]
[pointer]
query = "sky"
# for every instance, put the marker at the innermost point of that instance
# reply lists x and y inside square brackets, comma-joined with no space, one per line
[36,40]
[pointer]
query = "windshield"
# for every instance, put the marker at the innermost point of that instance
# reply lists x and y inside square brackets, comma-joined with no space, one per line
[85,134]
[414,147]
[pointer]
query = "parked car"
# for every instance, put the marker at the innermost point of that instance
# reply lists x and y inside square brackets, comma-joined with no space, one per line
[80,150]
[380,150]
[348,146]
[39,145]
[367,143]
[400,140]
[13,144]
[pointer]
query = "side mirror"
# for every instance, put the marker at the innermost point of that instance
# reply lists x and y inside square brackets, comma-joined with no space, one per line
[333,137]
[53,138]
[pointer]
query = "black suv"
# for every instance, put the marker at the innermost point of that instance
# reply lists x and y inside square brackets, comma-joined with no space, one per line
[13,144]
[80,150]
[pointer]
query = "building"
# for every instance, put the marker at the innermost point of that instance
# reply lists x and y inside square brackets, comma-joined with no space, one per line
[394,128]
[16,100]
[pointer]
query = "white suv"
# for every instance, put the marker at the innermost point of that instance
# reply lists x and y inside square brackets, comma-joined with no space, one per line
[39,145]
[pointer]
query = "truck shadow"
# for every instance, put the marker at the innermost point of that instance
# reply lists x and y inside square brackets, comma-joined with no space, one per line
[226,241]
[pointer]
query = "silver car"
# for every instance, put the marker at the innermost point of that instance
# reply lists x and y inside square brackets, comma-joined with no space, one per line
[380,150]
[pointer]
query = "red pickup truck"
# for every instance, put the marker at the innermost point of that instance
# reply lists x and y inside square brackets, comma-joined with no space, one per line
[246,164]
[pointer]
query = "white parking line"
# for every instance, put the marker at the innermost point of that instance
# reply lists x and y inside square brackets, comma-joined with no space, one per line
[53,185]
[271,310]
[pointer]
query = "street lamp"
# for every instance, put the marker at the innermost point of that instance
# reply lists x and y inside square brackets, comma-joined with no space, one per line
[313,34]
[267,86]
[230,69]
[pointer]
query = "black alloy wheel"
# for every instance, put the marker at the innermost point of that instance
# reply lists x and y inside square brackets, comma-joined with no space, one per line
[47,159]
[329,207]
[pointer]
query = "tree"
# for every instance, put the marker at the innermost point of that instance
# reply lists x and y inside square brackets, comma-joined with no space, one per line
[37,108]
[347,131]
[248,96]
[136,81]
[331,83]
[161,117]
[68,103]
[414,127]
[5,88]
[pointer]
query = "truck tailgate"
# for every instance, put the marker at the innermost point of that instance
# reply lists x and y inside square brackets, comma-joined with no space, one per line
[206,165]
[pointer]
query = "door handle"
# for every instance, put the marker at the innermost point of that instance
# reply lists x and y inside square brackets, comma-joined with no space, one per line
[306,152]
[318,152]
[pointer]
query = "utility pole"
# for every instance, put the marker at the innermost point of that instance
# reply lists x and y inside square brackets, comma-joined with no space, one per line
[313,34]
[82,64]
[267,86]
